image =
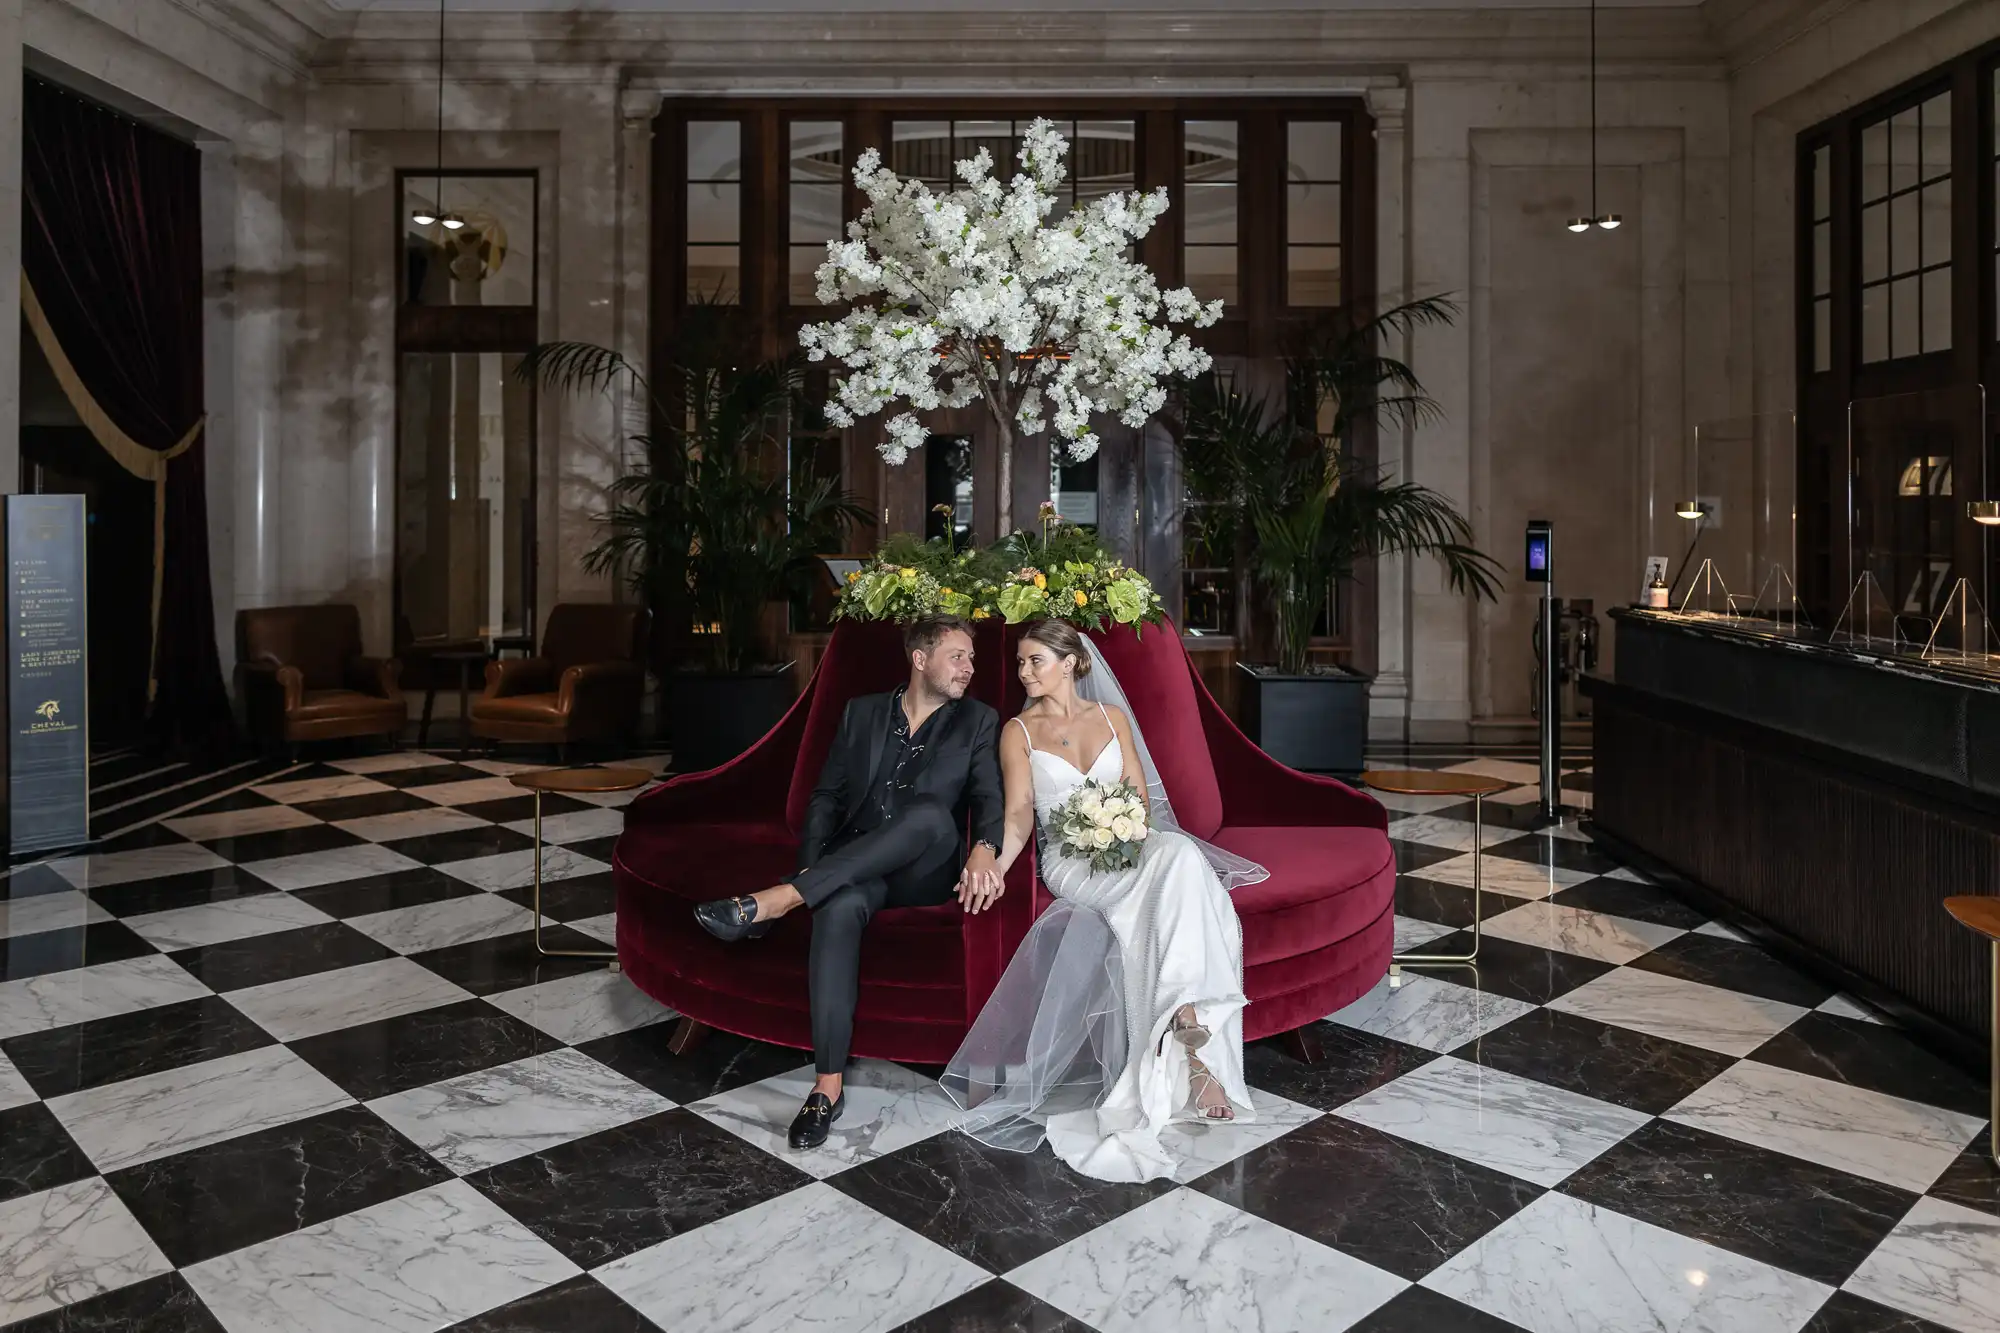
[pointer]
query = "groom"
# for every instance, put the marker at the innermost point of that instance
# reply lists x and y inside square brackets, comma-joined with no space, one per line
[885,829]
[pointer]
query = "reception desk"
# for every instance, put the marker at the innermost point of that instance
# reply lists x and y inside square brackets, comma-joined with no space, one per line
[1829,798]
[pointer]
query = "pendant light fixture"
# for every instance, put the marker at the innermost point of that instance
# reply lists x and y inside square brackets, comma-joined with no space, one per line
[425,215]
[1608,221]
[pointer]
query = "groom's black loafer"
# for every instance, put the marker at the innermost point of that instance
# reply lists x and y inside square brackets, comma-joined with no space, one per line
[731,918]
[809,1127]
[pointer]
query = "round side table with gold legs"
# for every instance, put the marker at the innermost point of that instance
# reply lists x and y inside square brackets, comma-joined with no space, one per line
[1981,914]
[572,781]
[1420,782]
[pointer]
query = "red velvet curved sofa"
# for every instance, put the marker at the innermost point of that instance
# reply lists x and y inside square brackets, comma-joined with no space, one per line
[1316,935]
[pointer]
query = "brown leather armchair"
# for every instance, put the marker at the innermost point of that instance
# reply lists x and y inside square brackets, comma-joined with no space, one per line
[301,676]
[585,685]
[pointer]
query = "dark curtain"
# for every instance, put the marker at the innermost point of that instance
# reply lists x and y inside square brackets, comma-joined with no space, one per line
[111,242]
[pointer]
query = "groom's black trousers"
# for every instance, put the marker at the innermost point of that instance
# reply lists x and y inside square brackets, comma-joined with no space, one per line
[912,860]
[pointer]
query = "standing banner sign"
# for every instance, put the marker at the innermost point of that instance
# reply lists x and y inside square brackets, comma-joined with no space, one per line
[48,700]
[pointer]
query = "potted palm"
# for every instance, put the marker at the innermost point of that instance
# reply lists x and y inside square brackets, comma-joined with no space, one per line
[710,527]
[1281,490]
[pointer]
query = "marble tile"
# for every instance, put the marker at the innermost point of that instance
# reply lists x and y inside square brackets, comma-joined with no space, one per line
[81,994]
[1716,930]
[106,868]
[1792,1214]
[1870,1055]
[521,805]
[1734,966]
[888,1107]
[1497,1119]
[209,1201]
[68,1244]
[1630,875]
[253,848]
[495,1115]
[14,1089]
[592,823]
[513,870]
[1973,1179]
[993,1305]
[467,792]
[577,1008]
[1609,939]
[1552,848]
[164,1304]
[1634,901]
[1454,834]
[1846,1006]
[1351,1062]
[853,1268]
[287,955]
[1564,1266]
[994,1208]
[30,881]
[1397,1205]
[392,1055]
[148,1041]
[1201,1148]
[217,923]
[401,761]
[239,823]
[718,1062]
[410,1265]
[36,955]
[510,962]
[603,929]
[1412,934]
[439,925]
[580,1305]
[1684,1011]
[327,1001]
[615,1193]
[570,899]
[1188,1262]
[142,1118]
[384,893]
[1447,904]
[303,790]
[1845,1312]
[1421,1310]
[1581,1055]
[48,911]
[425,822]
[1416,803]
[1870,1134]
[147,896]
[310,869]
[1525,972]
[1942,1263]
[37,1153]
[1498,874]
[1423,1011]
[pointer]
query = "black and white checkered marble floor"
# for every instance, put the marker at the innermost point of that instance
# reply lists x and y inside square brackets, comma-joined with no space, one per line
[288,1062]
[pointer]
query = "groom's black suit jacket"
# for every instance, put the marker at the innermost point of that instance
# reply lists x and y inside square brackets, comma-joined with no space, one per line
[960,766]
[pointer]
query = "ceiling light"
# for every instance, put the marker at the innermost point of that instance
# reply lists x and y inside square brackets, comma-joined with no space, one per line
[1689,509]
[451,222]
[1983,511]
[423,215]
[1579,224]
[1610,221]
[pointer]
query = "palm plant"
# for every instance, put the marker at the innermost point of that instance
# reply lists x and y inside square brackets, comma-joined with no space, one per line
[711,525]
[1290,503]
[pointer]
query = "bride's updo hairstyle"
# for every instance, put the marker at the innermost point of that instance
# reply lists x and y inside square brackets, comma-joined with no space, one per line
[1061,638]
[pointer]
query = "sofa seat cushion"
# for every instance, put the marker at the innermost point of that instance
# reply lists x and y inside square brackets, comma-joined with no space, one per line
[346,705]
[1326,884]
[533,709]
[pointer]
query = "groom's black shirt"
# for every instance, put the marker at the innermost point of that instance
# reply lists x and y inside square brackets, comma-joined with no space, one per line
[876,765]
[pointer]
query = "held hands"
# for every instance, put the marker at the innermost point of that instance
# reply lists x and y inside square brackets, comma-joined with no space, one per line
[980,884]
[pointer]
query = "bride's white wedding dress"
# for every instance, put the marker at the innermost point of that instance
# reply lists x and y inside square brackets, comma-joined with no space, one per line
[1072,1040]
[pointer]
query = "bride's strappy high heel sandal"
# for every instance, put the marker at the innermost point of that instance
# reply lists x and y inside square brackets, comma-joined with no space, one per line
[1185,1030]
[1200,1080]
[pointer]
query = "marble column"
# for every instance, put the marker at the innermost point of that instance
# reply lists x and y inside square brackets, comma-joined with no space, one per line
[1389,697]
[10,244]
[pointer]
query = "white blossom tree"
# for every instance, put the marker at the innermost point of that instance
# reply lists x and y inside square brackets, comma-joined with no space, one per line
[973,295]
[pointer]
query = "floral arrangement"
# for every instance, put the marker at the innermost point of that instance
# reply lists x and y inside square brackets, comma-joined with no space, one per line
[978,297]
[1063,574]
[1104,823]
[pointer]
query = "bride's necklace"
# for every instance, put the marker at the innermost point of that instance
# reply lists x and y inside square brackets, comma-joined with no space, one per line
[1062,737]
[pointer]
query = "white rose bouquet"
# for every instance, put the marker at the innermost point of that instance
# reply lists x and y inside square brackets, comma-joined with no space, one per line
[1104,823]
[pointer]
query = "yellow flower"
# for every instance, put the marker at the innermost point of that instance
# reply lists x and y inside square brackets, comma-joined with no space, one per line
[1041,581]
[945,591]
[853,575]
[979,613]
[1081,599]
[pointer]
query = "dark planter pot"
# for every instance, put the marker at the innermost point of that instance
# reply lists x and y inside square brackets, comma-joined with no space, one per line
[1316,723]
[713,716]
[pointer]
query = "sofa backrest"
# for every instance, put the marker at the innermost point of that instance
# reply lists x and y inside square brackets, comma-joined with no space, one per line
[1154,671]
[860,659]
[585,633]
[318,640]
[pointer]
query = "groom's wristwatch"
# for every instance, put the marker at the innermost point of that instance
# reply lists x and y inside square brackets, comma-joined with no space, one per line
[981,842]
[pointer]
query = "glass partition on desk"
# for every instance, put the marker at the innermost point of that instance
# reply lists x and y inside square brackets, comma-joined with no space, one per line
[1741,513]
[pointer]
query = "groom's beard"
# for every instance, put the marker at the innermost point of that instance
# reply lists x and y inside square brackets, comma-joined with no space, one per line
[944,689]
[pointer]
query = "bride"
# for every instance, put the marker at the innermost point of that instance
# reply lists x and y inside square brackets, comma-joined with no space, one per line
[1122,1012]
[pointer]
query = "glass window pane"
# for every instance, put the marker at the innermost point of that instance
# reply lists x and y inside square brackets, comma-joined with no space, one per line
[1313,150]
[1875,161]
[1211,272]
[1312,214]
[1903,232]
[1312,275]
[714,214]
[921,148]
[1823,334]
[1905,310]
[1875,323]
[1211,150]
[1874,242]
[1937,223]
[464,469]
[803,285]
[815,212]
[1935,153]
[1104,157]
[816,151]
[1822,170]
[715,150]
[1822,244]
[1937,310]
[1905,146]
[996,137]
[1211,214]
[488,261]
[714,274]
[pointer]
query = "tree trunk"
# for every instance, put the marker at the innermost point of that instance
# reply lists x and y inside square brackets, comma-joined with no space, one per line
[1004,511]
